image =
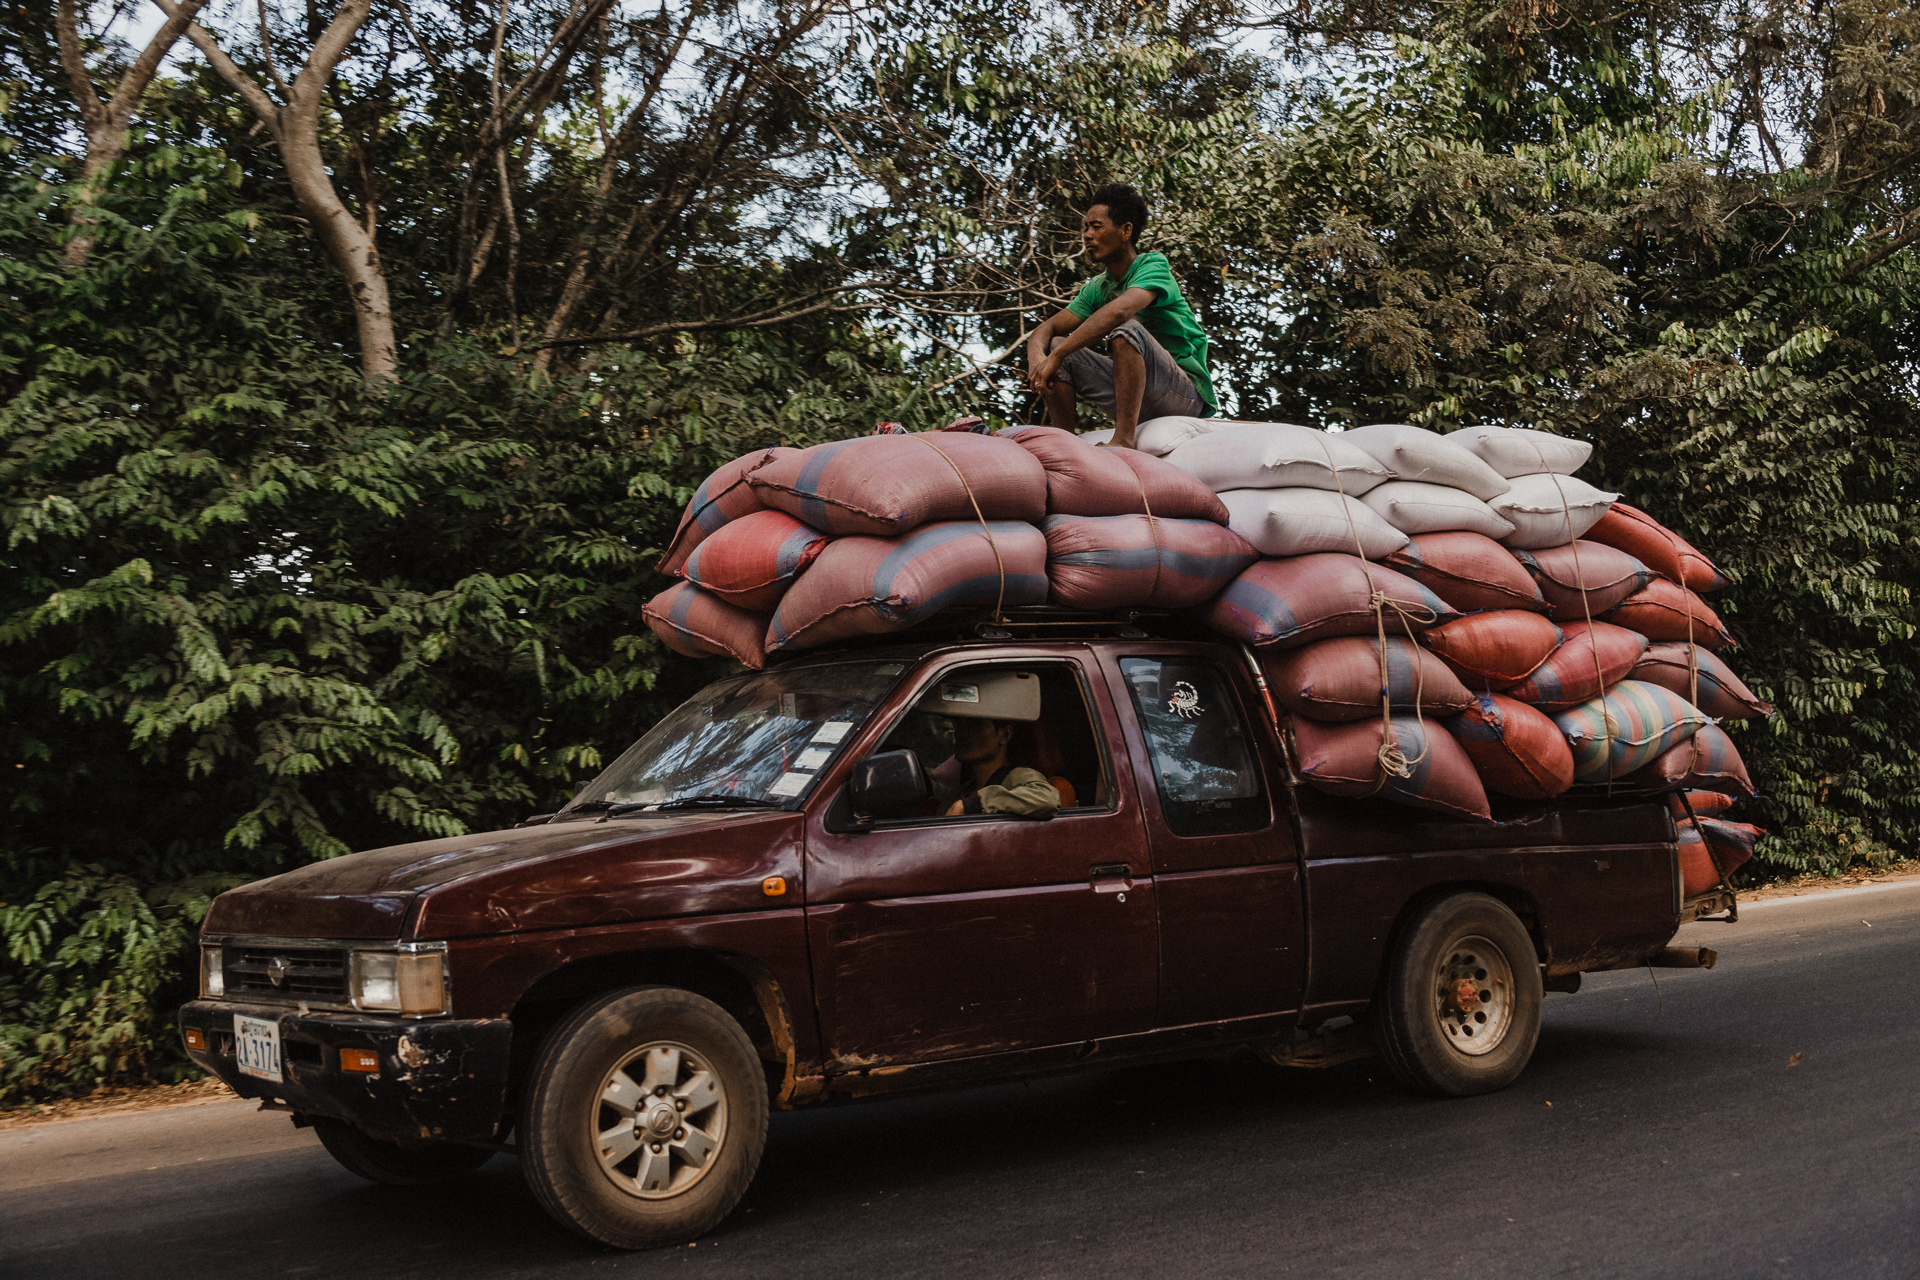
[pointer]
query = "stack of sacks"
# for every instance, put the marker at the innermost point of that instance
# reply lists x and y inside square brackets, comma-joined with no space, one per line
[1517,576]
[790,548]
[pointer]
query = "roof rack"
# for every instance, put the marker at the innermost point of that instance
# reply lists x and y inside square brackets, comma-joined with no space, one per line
[1030,622]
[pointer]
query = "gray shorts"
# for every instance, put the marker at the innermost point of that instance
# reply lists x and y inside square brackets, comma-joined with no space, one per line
[1169,390]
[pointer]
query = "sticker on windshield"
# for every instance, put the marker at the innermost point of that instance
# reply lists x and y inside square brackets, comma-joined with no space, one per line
[812,758]
[959,693]
[832,731]
[790,785]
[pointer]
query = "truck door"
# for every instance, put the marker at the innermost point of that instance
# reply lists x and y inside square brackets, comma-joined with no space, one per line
[1226,879]
[938,937]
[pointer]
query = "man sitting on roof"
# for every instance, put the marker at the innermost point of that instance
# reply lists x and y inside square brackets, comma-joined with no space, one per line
[1157,361]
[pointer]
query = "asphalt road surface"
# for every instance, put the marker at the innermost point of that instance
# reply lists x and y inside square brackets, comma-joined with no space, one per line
[1760,1119]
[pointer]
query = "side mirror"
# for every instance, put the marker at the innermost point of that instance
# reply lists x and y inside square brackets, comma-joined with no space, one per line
[889,782]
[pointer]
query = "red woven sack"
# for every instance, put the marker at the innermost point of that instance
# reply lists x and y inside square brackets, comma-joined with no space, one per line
[1703,802]
[870,586]
[1303,598]
[701,624]
[1081,480]
[1603,575]
[1117,562]
[1344,760]
[1339,679]
[1496,649]
[1517,750]
[1470,571]
[1569,677]
[1722,694]
[1658,547]
[1731,842]
[753,560]
[1170,491]
[1659,611]
[723,496]
[1708,761]
[887,485]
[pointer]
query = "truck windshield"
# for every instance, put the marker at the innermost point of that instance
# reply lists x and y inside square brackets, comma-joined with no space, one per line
[756,741]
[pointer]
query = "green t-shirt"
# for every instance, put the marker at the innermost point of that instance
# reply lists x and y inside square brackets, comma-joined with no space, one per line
[1168,317]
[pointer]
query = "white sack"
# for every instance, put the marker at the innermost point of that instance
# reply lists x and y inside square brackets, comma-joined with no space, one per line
[1413,507]
[1299,521]
[1096,437]
[1519,451]
[1277,455]
[1414,453]
[1161,436]
[1550,510]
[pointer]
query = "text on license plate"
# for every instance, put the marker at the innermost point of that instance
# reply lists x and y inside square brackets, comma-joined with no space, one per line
[256,1047]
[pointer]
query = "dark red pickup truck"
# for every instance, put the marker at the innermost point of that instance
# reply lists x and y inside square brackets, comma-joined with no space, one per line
[768,902]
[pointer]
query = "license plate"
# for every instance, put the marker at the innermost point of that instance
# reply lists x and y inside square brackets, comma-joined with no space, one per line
[256,1047]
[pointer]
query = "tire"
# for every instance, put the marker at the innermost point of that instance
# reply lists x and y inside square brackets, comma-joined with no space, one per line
[1460,1000]
[669,1088]
[395,1164]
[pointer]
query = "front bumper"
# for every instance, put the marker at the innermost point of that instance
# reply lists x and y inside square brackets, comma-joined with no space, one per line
[440,1079]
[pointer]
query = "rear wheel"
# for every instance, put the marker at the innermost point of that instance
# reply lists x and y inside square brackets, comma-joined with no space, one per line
[1461,1001]
[393,1163]
[645,1118]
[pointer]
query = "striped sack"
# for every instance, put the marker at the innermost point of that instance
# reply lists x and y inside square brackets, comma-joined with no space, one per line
[1085,481]
[1344,760]
[1114,562]
[1660,548]
[887,485]
[1731,842]
[870,586]
[725,495]
[1299,522]
[1708,761]
[1659,611]
[753,561]
[1594,656]
[1497,649]
[1470,571]
[1722,694]
[1290,602]
[1339,679]
[701,624]
[1518,751]
[1635,723]
[1583,579]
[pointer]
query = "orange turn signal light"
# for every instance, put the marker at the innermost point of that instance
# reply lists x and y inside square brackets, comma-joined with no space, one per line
[360,1060]
[774,886]
[195,1037]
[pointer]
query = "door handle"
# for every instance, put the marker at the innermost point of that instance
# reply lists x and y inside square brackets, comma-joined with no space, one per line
[1111,877]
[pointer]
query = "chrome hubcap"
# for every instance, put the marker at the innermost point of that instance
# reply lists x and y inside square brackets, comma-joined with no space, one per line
[661,1120]
[1473,995]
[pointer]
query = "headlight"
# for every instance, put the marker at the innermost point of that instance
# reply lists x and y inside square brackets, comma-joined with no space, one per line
[400,981]
[213,974]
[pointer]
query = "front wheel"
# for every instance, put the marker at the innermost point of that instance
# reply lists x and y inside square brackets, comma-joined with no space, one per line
[1461,999]
[645,1119]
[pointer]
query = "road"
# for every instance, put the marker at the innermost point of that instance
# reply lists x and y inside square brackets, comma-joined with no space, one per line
[1761,1119]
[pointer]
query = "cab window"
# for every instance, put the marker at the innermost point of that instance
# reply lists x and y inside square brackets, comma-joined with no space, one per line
[1039,711]
[1203,760]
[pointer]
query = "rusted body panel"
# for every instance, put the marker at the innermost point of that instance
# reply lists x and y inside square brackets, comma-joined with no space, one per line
[906,956]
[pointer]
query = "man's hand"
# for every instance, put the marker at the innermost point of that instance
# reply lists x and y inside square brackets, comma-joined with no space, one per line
[1040,376]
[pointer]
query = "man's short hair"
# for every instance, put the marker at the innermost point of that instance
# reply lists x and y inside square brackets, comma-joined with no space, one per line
[1124,205]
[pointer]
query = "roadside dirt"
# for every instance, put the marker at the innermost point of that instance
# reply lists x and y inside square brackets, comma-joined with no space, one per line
[202,1091]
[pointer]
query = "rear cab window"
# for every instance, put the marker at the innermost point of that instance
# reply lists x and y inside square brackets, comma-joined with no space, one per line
[1203,760]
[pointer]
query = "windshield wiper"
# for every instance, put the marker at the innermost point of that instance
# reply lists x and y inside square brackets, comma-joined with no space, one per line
[692,802]
[576,810]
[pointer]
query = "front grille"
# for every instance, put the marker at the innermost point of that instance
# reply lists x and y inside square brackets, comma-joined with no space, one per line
[306,973]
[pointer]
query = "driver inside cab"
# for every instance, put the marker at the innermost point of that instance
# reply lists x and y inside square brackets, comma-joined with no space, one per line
[987,712]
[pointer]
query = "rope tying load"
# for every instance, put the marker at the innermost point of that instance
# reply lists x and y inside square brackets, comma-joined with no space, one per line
[1000,600]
